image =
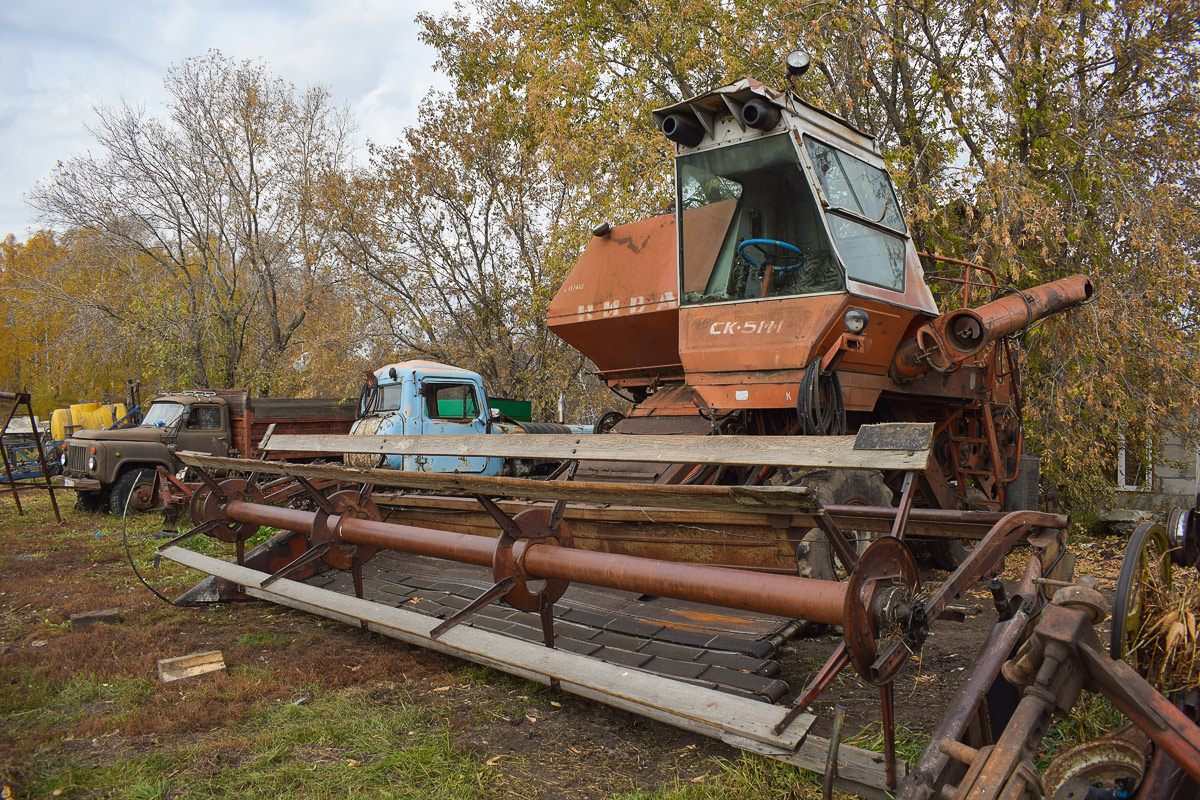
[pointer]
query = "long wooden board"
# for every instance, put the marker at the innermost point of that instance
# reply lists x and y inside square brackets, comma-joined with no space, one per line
[737,720]
[814,452]
[760,499]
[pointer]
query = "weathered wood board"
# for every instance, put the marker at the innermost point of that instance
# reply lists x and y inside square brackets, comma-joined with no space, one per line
[189,666]
[739,721]
[760,499]
[815,452]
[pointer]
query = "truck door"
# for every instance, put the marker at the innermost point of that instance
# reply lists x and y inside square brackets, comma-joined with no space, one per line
[451,407]
[205,430]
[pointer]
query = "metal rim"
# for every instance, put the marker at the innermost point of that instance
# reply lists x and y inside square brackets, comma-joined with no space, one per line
[507,561]
[344,505]
[213,508]
[886,563]
[1131,582]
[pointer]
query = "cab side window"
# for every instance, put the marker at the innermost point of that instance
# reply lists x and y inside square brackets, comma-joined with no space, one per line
[204,418]
[450,401]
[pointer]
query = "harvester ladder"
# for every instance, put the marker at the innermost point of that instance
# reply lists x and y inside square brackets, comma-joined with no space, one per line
[974,427]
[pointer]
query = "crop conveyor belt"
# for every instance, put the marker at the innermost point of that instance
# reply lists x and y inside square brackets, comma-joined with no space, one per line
[732,651]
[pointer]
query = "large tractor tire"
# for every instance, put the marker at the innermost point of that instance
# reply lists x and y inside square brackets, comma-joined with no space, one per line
[814,557]
[139,483]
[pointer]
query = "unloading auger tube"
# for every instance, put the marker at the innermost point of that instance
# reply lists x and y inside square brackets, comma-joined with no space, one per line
[880,609]
[955,337]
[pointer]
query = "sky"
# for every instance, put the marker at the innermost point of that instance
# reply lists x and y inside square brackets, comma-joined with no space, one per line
[60,60]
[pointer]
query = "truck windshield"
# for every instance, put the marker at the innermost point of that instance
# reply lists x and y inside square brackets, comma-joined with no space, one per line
[163,414]
[749,225]
[857,191]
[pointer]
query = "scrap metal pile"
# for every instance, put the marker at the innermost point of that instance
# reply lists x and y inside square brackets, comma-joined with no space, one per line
[884,611]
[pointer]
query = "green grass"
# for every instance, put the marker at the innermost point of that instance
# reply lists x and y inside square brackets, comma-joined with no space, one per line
[748,776]
[340,745]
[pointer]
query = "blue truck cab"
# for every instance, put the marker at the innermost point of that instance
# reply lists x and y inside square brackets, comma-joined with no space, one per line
[425,397]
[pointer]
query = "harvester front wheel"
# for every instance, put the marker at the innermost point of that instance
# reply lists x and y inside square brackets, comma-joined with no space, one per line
[851,487]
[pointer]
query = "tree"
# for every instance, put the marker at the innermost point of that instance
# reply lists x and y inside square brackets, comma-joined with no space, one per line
[202,229]
[1043,138]
[460,236]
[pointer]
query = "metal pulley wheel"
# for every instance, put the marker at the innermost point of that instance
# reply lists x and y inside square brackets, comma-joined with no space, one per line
[1145,568]
[881,587]
[346,504]
[508,561]
[212,507]
[1109,763]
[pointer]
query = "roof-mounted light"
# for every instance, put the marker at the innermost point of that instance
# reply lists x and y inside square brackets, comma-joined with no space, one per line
[798,63]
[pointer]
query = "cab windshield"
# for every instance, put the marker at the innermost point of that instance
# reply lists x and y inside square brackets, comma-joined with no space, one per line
[161,415]
[749,226]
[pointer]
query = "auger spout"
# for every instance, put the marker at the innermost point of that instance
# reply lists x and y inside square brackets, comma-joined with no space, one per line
[953,338]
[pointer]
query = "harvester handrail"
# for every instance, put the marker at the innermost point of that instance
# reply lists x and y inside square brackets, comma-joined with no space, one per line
[911,451]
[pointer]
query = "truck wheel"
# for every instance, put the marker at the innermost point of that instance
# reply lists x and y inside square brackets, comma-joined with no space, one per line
[89,501]
[851,487]
[139,482]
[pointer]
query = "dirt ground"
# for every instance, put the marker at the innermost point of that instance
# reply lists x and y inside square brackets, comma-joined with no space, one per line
[88,699]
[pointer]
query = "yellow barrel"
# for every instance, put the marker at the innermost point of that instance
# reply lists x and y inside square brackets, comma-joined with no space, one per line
[60,418]
[83,416]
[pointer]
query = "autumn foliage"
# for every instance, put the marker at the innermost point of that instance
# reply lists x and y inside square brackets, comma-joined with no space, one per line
[235,241]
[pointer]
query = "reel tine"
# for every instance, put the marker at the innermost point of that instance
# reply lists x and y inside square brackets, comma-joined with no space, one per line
[547,614]
[318,498]
[887,702]
[203,527]
[490,596]
[295,564]
[820,682]
[502,519]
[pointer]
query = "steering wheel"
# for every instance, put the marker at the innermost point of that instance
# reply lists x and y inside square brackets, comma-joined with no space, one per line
[761,246]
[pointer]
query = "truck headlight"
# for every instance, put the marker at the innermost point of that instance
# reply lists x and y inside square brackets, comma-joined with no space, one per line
[62,459]
[92,464]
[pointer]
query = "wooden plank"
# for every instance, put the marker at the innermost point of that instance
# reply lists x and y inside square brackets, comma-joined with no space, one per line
[189,666]
[741,722]
[735,499]
[814,452]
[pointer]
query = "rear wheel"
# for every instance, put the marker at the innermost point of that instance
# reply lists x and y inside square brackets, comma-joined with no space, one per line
[136,482]
[834,487]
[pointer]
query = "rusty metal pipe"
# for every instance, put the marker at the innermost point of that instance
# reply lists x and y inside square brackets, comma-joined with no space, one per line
[461,547]
[785,595]
[955,337]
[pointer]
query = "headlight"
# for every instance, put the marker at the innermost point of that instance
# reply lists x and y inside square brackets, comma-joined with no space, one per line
[62,459]
[855,320]
[92,464]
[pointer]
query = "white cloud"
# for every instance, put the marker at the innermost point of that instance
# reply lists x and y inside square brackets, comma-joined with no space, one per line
[59,60]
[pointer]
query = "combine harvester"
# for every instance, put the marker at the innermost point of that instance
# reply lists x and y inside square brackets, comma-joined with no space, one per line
[784,307]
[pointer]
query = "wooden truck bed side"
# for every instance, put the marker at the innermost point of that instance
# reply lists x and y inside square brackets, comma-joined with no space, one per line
[249,418]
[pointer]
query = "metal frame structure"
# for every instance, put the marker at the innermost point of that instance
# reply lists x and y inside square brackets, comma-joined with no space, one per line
[12,402]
